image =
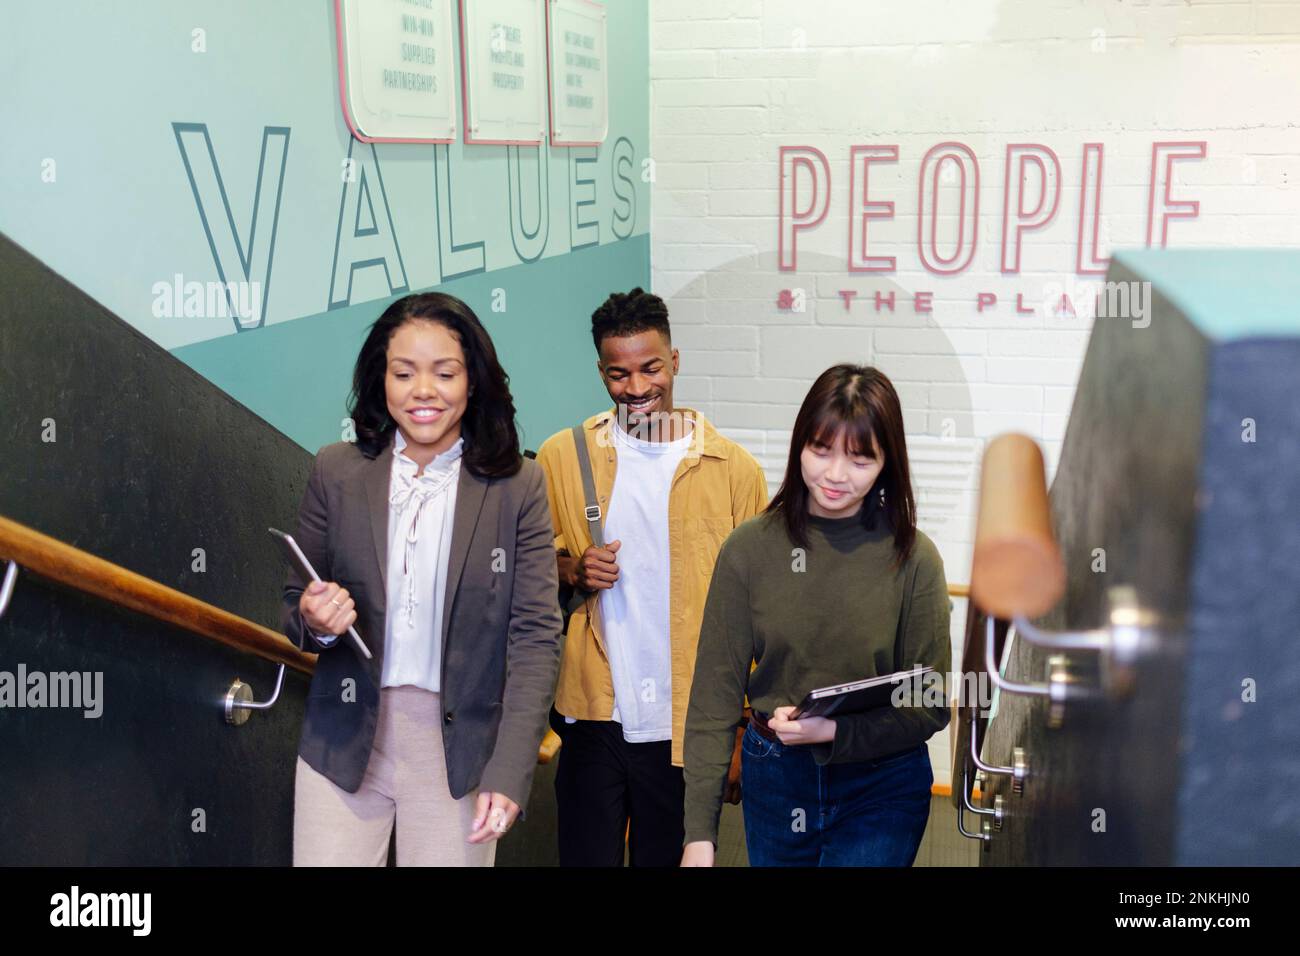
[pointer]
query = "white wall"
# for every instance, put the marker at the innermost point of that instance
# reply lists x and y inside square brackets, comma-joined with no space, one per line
[733,81]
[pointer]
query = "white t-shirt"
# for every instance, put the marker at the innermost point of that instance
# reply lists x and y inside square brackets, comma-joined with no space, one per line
[634,612]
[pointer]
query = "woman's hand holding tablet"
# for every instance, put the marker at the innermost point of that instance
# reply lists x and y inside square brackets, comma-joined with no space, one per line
[805,730]
[327,608]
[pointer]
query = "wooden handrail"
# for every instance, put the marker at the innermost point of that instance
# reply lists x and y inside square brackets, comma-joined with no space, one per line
[57,561]
[1016,567]
[549,748]
[70,566]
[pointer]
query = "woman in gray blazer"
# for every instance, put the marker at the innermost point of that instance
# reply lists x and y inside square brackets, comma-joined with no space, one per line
[434,537]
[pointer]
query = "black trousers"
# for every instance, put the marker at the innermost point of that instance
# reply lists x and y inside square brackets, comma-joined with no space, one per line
[606,787]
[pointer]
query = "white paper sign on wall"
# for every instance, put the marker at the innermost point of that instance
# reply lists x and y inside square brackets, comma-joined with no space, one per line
[503,61]
[397,69]
[579,77]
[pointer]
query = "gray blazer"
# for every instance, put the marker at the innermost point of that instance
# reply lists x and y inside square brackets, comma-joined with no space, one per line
[500,634]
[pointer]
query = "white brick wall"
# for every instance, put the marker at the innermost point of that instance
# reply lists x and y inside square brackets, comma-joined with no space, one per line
[734,80]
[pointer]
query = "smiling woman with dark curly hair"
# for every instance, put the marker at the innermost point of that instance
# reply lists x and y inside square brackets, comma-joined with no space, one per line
[433,535]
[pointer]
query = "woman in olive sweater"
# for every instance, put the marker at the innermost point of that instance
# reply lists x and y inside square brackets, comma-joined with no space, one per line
[832,583]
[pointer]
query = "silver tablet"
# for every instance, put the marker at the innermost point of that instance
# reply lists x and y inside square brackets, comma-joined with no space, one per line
[293,554]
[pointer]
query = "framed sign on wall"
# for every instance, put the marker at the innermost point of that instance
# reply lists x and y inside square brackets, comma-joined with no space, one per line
[503,71]
[578,74]
[397,69]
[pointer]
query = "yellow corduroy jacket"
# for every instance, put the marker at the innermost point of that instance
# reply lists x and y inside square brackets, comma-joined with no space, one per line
[717,486]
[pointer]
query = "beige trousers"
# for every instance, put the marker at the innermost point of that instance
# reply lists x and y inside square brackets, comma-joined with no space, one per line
[406,781]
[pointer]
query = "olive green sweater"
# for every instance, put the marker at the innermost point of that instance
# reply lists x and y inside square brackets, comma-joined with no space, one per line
[837,612]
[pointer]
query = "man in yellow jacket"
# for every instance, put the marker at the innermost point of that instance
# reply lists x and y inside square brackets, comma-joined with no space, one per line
[629,655]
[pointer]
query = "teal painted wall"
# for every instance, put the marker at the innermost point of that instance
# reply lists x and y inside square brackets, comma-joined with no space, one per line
[279,371]
[131,157]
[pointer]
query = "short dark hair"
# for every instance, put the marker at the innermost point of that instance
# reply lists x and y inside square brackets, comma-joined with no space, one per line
[862,401]
[627,313]
[489,429]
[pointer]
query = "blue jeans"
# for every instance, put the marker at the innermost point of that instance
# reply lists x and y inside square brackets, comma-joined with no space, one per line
[866,813]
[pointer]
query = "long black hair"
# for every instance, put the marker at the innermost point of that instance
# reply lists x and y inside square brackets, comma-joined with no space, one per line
[488,427]
[862,401]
